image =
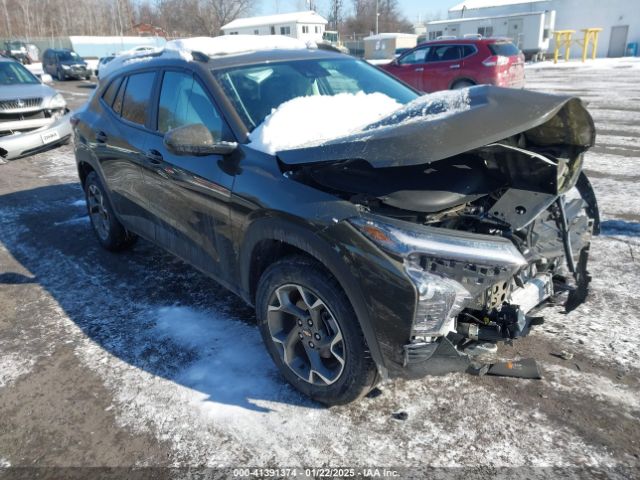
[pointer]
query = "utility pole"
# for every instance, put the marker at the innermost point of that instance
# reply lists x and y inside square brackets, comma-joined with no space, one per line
[377,17]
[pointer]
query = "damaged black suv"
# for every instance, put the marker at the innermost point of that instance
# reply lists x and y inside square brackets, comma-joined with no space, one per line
[392,250]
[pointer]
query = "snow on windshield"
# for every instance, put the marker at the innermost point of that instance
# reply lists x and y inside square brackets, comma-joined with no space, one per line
[210,46]
[315,120]
[319,118]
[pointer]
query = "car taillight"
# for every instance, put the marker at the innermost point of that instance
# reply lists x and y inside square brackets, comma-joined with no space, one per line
[495,60]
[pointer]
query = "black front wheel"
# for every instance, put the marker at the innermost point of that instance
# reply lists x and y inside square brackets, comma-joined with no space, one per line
[312,333]
[110,232]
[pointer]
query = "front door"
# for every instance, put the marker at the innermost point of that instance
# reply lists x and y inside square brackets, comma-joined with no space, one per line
[409,67]
[120,137]
[618,41]
[189,195]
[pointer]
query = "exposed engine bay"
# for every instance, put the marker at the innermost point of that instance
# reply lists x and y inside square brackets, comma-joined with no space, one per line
[527,188]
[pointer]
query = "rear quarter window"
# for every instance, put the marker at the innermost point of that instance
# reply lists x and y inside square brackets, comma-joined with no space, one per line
[505,49]
[137,94]
[109,94]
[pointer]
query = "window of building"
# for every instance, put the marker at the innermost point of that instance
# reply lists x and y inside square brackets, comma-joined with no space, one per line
[136,97]
[285,30]
[305,29]
[435,35]
[317,29]
[233,33]
[273,30]
[256,32]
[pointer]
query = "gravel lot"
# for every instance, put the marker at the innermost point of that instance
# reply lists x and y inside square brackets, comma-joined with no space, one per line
[136,359]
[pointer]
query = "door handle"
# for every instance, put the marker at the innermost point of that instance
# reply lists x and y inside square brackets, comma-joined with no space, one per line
[154,157]
[419,69]
[455,66]
[101,137]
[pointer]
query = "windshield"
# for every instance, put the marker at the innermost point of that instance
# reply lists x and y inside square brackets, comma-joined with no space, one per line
[12,73]
[257,89]
[67,56]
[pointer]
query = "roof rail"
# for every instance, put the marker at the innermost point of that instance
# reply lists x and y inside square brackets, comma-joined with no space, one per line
[473,35]
[446,37]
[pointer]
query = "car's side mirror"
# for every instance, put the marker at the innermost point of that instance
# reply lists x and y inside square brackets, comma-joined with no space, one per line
[197,140]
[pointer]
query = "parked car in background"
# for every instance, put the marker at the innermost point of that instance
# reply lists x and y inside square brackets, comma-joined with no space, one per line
[388,251]
[25,53]
[102,62]
[64,63]
[33,116]
[459,63]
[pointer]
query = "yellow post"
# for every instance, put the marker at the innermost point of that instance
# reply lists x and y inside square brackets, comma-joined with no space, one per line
[589,35]
[562,38]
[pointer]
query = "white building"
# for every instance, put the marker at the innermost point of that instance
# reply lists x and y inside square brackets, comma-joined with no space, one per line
[619,19]
[307,25]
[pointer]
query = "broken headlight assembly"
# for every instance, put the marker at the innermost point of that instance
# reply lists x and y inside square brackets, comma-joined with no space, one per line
[439,298]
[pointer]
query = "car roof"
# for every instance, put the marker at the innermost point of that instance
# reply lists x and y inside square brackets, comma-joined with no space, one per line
[467,41]
[220,62]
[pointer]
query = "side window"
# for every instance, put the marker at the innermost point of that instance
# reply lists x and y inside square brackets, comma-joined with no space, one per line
[417,56]
[109,94]
[136,97]
[468,50]
[117,104]
[444,53]
[183,101]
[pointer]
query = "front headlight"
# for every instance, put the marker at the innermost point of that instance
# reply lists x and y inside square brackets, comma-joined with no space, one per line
[394,237]
[57,101]
[440,299]
[66,67]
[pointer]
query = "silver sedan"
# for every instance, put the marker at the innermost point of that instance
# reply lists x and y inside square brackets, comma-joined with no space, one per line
[33,116]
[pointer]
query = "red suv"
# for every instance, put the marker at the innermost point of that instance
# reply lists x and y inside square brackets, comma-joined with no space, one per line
[459,63]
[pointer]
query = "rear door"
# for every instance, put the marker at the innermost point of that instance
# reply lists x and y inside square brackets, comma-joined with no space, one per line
[410,67]
[120,138]
[442,67]
[189,195]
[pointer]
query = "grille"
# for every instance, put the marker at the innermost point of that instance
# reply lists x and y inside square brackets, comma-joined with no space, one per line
[20,103]
[12,117]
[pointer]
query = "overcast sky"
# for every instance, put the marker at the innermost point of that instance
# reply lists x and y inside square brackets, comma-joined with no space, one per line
[411,8]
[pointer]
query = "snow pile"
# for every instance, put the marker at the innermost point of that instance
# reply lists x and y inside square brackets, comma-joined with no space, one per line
[336,117]
[210,46]
[317,119]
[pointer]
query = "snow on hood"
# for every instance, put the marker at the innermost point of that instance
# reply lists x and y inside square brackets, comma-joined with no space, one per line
[210,46]
[332,118]
[438,126]
[318,118]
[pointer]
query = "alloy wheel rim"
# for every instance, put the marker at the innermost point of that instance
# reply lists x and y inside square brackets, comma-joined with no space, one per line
[306,335]
[98,212]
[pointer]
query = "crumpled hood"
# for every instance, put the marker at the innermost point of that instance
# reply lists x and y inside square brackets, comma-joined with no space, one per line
[444,124]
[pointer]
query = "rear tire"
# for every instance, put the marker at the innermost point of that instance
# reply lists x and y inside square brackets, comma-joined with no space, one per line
[319,348]
[60,75]
[109,231]
[462,84]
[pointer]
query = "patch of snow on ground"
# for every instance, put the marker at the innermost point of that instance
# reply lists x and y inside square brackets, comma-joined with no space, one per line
[290,125]
[13,366]
[4,463]
[600,388]
[597,64]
